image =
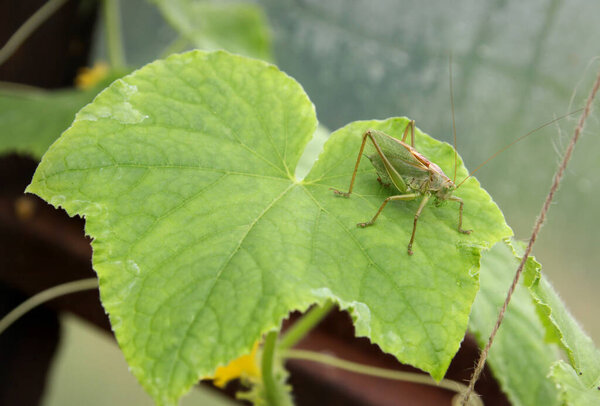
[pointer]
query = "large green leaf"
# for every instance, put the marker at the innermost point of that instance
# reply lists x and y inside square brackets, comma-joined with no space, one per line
[237,27]
[578,380]
[204,239]
[32,119]
[519,358]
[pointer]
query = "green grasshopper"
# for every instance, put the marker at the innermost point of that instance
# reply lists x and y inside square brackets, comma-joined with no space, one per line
[411,173]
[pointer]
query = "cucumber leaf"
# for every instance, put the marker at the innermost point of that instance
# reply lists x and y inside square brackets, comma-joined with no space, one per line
[204,239]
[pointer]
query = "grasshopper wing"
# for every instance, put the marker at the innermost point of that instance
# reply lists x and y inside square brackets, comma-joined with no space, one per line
[400,163]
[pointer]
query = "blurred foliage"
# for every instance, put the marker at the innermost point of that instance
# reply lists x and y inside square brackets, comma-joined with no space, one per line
[89,363]
[32,119]
[578,377]
[237,27]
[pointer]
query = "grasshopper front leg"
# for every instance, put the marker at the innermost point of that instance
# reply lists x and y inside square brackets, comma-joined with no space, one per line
[460,214]
[360,152]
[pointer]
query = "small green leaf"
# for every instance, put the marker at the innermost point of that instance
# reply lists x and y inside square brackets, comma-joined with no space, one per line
[204,239]
[578,380]
[32,119]
[236,27]
[519,358]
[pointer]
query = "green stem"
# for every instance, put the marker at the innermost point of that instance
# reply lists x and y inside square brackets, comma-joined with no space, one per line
[29,26]
[268,377]
[44,296]
[382,373]
[114,41]
[304,325]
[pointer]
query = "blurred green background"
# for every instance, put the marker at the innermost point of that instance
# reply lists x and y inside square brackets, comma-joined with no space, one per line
[516,65]
[90,370]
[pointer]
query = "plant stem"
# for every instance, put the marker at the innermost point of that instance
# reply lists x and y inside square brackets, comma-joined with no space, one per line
[44,296]
[114,41]
[268,377]
[536,229]
[378,372]
[304,325]
[28,27]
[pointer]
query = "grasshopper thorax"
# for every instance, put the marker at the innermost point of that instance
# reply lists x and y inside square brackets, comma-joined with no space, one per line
[441,186]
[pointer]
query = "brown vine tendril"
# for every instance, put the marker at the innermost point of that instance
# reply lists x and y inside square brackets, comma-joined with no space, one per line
[538,224]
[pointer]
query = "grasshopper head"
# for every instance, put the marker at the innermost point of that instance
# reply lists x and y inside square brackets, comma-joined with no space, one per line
[447,187]
[441,185]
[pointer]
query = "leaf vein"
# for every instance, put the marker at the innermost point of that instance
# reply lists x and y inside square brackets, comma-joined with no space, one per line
[258,116]
[174,209]
[148,166]
[399,289]
[221,121]
[218,274]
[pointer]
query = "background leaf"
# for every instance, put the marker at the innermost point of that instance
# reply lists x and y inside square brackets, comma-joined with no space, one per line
[578,380]
[236,27]
[575,390]
[204,239]
[32,119]
[519,358]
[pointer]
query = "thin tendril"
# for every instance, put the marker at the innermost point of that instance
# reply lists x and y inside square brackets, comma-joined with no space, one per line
[45,296]
[28,27]
[536,229]
[381,372]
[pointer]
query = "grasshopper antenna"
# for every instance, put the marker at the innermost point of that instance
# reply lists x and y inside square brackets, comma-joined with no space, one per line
[453,121]
[513,143]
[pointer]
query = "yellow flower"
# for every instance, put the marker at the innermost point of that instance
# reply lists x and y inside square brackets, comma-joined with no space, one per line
[89,77]
[245,366]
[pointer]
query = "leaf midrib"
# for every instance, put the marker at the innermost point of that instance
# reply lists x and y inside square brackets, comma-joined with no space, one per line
[148,166]
[186,334]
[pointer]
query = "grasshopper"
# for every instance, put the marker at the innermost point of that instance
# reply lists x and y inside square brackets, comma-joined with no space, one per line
[411,173]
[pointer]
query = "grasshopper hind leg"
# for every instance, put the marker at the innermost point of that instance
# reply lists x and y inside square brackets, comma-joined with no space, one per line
[411,127]
[414,230]
[409,196]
